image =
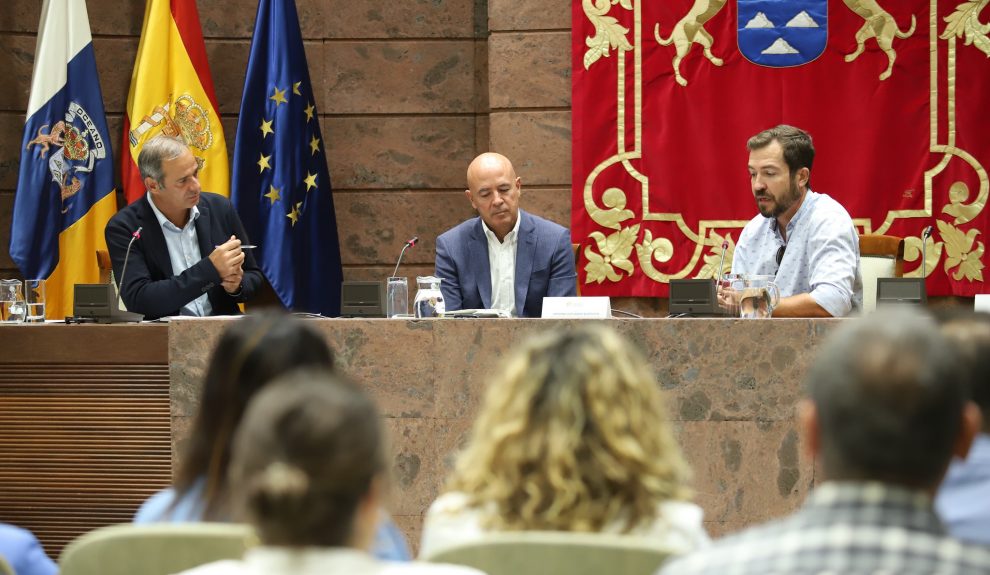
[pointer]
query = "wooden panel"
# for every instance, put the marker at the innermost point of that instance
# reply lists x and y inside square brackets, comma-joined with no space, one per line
[84,435]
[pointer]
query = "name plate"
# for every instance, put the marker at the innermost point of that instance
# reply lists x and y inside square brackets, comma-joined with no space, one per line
[598,307]
[981,302]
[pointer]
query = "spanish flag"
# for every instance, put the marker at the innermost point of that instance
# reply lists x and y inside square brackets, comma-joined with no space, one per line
[172,93]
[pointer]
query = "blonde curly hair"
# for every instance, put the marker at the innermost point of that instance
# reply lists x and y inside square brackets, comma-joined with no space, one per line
[572,436]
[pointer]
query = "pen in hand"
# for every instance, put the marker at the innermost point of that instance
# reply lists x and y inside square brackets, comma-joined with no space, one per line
[243,247]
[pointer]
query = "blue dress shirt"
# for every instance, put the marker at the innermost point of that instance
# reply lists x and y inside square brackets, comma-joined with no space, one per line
[821,257]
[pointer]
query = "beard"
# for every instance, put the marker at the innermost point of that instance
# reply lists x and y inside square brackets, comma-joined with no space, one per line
[781,204]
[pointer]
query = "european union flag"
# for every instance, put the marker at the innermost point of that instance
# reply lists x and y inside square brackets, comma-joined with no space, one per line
[281,184]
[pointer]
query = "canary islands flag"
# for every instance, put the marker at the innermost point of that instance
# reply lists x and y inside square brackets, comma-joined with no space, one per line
[172,93]
[281,184]
[65,192]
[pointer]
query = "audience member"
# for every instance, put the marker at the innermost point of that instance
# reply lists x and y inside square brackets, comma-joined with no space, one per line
[251,353]
[572,436]
[963,501]
[887,409]
[309,473]
[23,552]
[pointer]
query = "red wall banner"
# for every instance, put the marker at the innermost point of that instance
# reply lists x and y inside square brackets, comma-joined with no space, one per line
[665,95]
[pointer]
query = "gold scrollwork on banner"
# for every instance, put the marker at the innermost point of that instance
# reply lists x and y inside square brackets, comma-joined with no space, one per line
[965,22]
[609,256]
[609,34]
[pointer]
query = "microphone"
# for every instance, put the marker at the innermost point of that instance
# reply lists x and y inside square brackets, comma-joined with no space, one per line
[135,236]
[408,244]
[927,233]
[721,262]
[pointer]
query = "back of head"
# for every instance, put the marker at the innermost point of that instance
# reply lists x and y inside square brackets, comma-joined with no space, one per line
[890,396]
[304,458]
[969,333]
[252,352]
[573,435]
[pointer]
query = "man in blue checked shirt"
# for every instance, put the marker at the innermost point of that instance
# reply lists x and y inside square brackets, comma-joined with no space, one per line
[887,409]
[805,239]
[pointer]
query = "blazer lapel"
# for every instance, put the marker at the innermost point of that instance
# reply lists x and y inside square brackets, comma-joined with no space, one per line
[480,265]
[525,252]
[204,232]
[154,239]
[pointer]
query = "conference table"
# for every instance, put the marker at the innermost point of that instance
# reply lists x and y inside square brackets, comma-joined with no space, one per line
[92,416]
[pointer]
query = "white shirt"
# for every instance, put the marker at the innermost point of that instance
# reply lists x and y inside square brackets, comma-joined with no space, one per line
[502,262]
[322,561]
[451,521]
[821,257]
[183,251]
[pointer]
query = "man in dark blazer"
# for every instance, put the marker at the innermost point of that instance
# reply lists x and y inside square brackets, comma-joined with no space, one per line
[505,258]
[187,259]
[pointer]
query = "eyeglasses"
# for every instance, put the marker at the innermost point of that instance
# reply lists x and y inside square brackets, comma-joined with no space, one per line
[780,253]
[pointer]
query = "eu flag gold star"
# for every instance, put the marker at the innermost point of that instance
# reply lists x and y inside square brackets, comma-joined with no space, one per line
[266,128]
[294,214]
[295,88]
[314,145]
[263,163]
[309,111]
[274,194]
[278,97]
[310,181]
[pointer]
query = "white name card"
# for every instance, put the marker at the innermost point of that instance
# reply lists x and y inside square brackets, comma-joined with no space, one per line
[980,303]
[577,307]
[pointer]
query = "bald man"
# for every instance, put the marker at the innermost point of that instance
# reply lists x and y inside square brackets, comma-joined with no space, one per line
[505,258]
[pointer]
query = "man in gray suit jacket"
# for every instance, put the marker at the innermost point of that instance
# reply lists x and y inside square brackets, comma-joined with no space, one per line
[505,258]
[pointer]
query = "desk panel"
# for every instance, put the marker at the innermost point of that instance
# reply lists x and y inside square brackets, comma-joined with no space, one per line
[731,386]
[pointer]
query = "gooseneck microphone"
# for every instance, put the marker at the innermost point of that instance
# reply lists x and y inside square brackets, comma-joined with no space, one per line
[135,236]
[721,262]
[927,233]
[409,244]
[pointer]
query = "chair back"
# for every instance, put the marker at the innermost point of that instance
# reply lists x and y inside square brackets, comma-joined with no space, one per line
[5,568]
[105,265]
[879,257]
[557,553]
[153,549]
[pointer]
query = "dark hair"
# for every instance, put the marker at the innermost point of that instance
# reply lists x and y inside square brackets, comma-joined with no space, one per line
[251,352]
[890,396]
[304,458]
[795,143]
[969,333]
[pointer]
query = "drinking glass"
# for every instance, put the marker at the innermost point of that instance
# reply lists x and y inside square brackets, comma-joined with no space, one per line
[397,297]
[34,297]
[11,301]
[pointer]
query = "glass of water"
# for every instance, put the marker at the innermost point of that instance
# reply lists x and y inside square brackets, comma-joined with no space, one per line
[34,297]
[11,301]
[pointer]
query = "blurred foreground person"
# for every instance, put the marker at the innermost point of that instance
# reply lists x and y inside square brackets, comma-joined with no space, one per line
[963,501]
[250,354]
[309,473]
[23,552]
[573,435]
[887,409]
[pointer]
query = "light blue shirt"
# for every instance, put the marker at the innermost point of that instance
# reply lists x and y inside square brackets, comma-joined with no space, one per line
[821,258]
[963,500]
[22,551]
[183,251]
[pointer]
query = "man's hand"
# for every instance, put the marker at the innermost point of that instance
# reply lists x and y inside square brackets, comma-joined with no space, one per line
[232,283]
[227,259]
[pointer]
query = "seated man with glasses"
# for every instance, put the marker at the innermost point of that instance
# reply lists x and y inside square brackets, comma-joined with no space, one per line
[805,239]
